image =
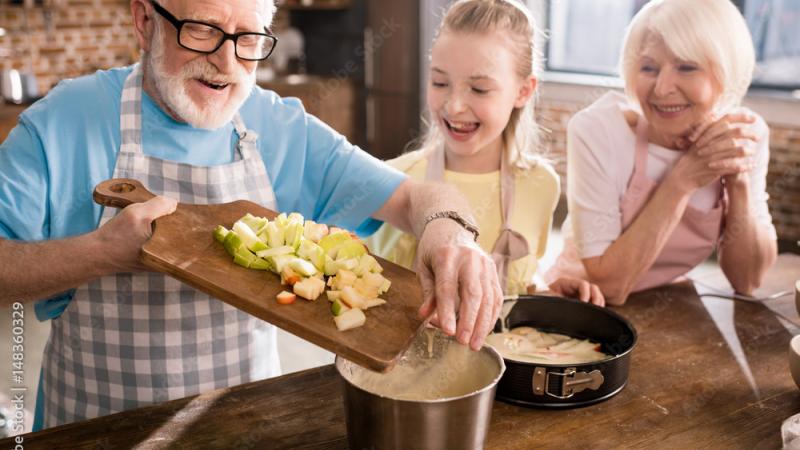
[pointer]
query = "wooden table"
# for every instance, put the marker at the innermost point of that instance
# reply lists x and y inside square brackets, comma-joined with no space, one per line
[706,374]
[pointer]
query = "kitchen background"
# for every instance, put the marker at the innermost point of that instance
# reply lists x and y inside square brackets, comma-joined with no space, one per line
[359,65]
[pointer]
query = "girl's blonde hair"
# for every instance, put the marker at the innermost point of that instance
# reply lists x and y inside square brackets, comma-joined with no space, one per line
[521,136]
[711,33]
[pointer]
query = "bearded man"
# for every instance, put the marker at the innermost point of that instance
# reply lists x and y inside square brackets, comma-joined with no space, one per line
[189,123]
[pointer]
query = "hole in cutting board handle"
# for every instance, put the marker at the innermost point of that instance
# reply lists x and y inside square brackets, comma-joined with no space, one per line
[121,188]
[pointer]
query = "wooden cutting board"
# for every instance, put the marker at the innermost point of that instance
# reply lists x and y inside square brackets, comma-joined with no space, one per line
[183,247]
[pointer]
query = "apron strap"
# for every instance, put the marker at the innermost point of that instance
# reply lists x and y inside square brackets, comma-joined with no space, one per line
[130,117]
[640,159]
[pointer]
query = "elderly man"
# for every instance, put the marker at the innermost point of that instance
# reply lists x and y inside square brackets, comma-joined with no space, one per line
[190,124]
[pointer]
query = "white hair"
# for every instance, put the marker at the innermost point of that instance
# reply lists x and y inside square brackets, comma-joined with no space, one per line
[268,9]
[711,33]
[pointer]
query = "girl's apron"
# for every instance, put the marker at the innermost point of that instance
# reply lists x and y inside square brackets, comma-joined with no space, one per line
[510,245]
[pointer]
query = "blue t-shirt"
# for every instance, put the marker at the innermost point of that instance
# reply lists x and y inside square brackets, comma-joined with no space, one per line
[67,143]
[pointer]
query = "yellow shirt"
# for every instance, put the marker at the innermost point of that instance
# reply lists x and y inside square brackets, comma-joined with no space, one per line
[535,198]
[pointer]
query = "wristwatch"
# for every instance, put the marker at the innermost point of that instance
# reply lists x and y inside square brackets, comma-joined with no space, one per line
[453,215]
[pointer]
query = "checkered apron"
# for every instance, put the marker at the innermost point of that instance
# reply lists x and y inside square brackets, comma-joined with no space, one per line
[132,339]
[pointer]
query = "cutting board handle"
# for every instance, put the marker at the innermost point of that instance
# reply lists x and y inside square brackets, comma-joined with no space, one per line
[121,192]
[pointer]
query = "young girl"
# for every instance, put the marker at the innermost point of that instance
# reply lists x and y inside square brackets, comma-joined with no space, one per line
[482,138]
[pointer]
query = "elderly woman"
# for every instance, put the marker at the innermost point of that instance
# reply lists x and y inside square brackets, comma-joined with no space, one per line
[661,177]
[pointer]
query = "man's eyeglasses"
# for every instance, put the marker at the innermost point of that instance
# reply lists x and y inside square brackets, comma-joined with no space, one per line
[203,37]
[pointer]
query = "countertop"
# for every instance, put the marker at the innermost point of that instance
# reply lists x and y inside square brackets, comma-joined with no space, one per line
[706,373]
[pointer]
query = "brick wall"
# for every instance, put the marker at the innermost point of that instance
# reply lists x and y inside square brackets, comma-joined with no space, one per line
[77,38]
[783,181]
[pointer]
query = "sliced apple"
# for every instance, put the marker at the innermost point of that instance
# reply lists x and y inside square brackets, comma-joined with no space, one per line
[350,319]
[309,288]
[302,267]
[220,232]
[352,298]
[286,298]
[337,308]
[289,276]
[373,302]
[249,237]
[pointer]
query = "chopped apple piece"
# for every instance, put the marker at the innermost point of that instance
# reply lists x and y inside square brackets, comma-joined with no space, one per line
[289,276]
[350,319]
[334,295]
[364,289]
[260,264]
[302,267]
[343,278]
[309,288]
[220,232]
[373,302]
[352,298]
[286,298]
[248,237]
[275,251]
[337,308]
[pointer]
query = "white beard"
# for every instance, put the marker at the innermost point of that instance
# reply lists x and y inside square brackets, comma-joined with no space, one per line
[172,88]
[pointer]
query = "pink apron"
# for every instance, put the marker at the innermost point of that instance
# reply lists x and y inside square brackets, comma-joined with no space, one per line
[691,242]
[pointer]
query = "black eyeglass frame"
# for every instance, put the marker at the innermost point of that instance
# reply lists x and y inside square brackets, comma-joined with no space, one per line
[178,24]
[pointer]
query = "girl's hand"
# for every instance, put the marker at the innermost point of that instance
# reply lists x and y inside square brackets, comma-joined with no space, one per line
[577,288]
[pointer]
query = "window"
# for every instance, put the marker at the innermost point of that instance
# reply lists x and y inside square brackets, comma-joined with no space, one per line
[586,37]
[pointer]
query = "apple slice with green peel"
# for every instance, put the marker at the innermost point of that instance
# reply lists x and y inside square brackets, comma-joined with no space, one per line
[285,298]
[351,249]
[366,264]
[255,223]
[333,241]
[333,295]
[302,267]
[337,308]
[260,264]
[232,243]
[219,233]
[314,231]
[248,237]
[352,318]
[330,266]
[313,253]
[281,261]
[294,234]
[281,220]
[275,237]
[277,251]
[244,257]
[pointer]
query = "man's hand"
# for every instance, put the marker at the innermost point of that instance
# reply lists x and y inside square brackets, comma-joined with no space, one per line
[123,236]
[577,288]
[459,282]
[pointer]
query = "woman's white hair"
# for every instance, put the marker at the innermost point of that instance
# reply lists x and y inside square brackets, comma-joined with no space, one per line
[711,33]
